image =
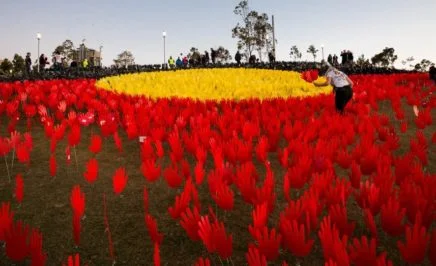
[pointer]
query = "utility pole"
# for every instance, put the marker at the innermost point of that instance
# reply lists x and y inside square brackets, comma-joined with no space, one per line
[101,63]
[164,35]
[274,37]
[38,36]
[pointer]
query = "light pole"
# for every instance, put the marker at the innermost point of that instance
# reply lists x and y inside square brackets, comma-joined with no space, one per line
[101,59]
[267,45]
[322,51]
[164,35]
[83,51]
[38,37]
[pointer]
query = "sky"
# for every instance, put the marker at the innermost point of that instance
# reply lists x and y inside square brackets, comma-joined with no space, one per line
[364,27]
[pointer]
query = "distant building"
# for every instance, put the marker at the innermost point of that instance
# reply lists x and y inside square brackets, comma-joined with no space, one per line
[93,56]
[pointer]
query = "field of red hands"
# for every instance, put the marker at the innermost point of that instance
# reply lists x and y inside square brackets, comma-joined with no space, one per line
[302,169]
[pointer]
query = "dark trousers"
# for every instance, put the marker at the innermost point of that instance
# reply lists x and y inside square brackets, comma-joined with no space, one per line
[28,69]
[342,96]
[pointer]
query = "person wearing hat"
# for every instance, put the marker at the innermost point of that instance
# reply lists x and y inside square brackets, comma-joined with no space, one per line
[342,86]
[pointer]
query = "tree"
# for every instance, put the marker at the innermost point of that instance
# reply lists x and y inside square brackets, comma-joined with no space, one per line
[66,50]
[124,59]
[385,58]
[425,64]
[312,50]
[254,31]
[244,33]
[262,31]
[408,60]
[18,63]
[295,53]
[222,55]
[362,61]
[6,66]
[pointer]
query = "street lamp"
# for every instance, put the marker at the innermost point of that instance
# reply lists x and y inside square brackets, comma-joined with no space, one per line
[101,59]
[267,46]
[322,51]
[38,36]
[267,43]
[164,35]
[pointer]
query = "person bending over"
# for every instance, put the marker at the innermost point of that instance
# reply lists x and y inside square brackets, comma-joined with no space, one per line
[342,87]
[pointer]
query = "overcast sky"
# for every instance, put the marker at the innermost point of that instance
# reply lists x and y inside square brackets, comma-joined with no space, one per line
[136,25]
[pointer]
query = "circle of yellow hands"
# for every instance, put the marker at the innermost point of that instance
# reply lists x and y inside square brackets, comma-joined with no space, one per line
[214,84]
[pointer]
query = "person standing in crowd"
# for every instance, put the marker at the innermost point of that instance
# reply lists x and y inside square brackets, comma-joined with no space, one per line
[185,61]
[342,86]
[271,57]
[85,63]
[343,57]
[432,73]
[42,62]
[191,61]
[335,60]
[206,57]
[350,57]
[330,59]
[252,59]
[171,62]
[28,64]
[213,55]
[56,61]
[179,62]
[238,57]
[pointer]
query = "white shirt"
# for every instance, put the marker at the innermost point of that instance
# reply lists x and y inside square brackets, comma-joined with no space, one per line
[338,78]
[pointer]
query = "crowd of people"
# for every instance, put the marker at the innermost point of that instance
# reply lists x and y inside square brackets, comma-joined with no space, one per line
[58,63]
[193,59]
[196,59]
[100,72]
[59,69]
[347,58]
